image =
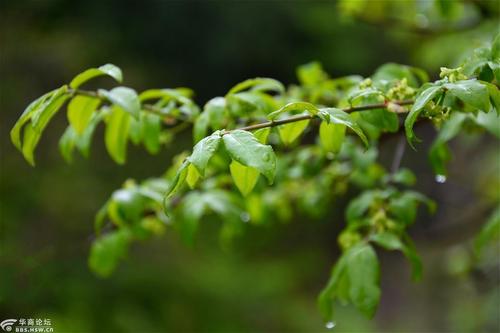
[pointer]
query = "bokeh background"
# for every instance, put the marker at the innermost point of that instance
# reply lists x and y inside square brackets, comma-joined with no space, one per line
[269,280]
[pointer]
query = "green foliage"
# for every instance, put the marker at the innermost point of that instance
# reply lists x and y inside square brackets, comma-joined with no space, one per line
[256,129]
[108,69]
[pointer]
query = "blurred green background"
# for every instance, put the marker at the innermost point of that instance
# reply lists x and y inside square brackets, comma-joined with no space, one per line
[269,280]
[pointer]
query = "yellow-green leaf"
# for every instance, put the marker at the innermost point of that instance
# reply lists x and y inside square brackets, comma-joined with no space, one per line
[331,136]
[108,69]
[80,110]
[192,176]
[290,132]
[244,177]
[116,135]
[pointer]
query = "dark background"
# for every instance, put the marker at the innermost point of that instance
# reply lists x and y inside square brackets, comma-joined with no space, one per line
[269,280]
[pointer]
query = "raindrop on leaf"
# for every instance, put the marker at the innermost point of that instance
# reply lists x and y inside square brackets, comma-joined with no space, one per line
[440,178]
[245,217]
[330,325]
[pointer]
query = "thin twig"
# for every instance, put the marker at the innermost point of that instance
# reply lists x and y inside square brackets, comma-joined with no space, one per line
[274,123]
[398,155]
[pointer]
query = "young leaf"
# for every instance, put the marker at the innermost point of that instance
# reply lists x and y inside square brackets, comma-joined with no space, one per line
[258,84]
[327,296]
[244,177]
[116,135]
[244,148]
[387,240]
[311,74]
[80,110]
[337,116]
[40,119]
[471,92]
[200,127]
[67,144]
[125,98]
[15,133]
[404,176]
[489,121]
[421,101]
[262,134]
[178,180]
[203,152]
[290,132]
[108,69]
[331,136]
[216,110]
[363,271]
[107,250]
[151,130]
[489,232]
[359,205]
[296,106]
[192,176]
[192,209]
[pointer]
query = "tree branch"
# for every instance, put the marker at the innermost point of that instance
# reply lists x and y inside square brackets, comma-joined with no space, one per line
[274,123]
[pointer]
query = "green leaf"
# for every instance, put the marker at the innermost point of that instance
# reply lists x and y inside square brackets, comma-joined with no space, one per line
[392,71]
[108,69]
[489,121]
[262,134]
[116,135]
[471,92]
[495,49]
[291,131]
[216,110]
[382,119]
[423,98]
[404,176]
[151,131]
[192,209]
[67,144]
[331,136]
[200,128]
[337,116]
[178,180]
[244,177]
[295,106]
[108,250]
[489,232]
[129,203]
[244,148]
[80,110]
[311,74]
[387,240]
[363,271]
[359,206]
[439,153]
[203,152]
[40,119]
[258,84]
[15,133]
[125,98]
[192,176]
[331,291]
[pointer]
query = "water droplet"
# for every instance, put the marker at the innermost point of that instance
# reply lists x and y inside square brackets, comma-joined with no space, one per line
[440,178]
[245,217]
[330,325]
[266,157]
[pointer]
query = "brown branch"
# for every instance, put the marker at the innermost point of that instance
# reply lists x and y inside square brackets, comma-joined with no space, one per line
[274,123]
